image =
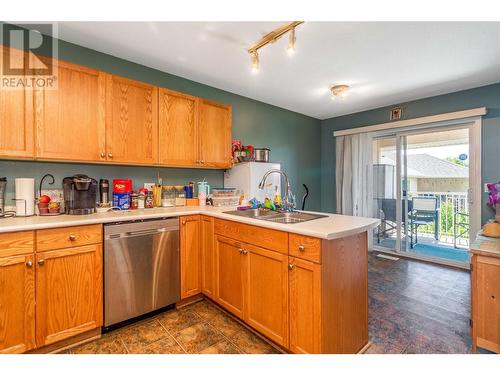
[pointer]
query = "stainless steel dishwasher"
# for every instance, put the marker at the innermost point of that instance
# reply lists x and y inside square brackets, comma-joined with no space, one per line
[141,268]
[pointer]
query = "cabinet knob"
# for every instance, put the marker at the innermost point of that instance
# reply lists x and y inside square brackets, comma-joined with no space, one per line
[72,237]
[41,262]
[202,161]
[103,154]
[291,266]
[110,155]
[29,264]
[302,247]
[183,222]
[243,251]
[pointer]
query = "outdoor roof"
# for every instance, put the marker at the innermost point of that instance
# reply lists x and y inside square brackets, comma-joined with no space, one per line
[428,166]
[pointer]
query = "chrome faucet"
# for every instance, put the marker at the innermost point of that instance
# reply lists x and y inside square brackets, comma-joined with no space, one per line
[288,204]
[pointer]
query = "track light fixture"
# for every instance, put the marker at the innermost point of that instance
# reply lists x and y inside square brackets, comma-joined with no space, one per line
[272,37]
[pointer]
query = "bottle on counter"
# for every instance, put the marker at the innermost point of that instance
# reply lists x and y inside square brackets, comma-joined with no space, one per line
[142,198]
[134,200]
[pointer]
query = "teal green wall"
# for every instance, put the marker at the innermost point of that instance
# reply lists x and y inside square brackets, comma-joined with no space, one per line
[486,96]
[293,138]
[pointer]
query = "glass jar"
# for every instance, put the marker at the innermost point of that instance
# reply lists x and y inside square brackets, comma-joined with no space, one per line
[149,201]
[134,201]
[168,196]
[180,196]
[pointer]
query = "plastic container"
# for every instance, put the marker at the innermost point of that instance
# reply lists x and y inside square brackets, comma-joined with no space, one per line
[226,201]
[121,200]
[180,196]
[168,196]
[225,192]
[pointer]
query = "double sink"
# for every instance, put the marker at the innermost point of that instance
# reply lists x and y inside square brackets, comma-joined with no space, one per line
[276,217]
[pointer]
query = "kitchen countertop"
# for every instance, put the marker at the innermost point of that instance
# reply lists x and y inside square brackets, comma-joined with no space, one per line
[331,227]
[486,245]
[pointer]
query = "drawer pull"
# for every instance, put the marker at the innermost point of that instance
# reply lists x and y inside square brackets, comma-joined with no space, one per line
[29,264]
[72,237]
[41,262]
[291,266]
[243,251]
[302,248]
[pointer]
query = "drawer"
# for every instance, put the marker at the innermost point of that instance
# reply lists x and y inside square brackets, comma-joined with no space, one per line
[60,238]
[258,236]
[304,247]
[17,243]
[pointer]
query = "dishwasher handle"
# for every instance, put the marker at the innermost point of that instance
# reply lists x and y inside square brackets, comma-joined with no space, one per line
[138,233]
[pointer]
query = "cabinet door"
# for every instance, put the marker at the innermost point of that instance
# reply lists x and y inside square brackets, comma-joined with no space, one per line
[230,275]
[68,292]
[305,306]
[16,114]
[267,292]
[131,121]
[70,120]
[215,134]
[486,298]
[17,304]
[207,256]
[190,256]
[178,129]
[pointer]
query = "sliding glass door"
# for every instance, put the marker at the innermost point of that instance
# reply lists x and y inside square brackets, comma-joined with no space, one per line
[422,193]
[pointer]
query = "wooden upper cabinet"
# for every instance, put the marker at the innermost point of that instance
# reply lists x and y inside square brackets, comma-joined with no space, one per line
[305,306]
[230,273]
[215,134]
[190,256]
[178,129]
[16,114]
[267,292]
[70,120]
[131,121]
[207,256]
[68,292]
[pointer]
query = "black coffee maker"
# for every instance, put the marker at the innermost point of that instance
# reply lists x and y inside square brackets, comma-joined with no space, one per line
[79,194]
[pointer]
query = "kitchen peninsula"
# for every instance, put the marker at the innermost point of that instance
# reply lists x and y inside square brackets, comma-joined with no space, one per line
[303,286]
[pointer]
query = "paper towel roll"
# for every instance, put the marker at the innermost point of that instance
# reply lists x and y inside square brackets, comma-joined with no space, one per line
[25,196]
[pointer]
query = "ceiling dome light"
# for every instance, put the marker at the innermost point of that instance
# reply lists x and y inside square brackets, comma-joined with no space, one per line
[254,56]
[339,91]
[290,49]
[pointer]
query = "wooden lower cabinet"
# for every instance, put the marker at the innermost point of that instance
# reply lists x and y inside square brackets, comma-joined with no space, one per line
[190,254]
[486,302]
[17,303]
[266,286]
[230,275]
[207,256]
[305,306]
[68,292]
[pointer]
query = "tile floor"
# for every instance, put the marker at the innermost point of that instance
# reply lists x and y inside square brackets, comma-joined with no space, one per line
[198,328]
[414,307]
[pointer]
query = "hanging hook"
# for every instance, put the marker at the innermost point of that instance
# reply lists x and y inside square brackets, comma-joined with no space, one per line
[41,182]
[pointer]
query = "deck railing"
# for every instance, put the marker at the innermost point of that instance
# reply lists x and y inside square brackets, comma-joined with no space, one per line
[453,216]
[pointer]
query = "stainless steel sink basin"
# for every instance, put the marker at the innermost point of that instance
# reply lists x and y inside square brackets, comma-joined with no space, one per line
[277,217]
[252,213]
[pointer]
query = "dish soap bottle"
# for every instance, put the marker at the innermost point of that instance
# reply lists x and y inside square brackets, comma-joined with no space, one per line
[277,198]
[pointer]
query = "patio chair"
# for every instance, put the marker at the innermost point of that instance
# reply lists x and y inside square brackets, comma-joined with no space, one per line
[388,216]
[460,227]
[425,211]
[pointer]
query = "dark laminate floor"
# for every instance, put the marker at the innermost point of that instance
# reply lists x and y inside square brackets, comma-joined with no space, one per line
[414,307]
[417,307]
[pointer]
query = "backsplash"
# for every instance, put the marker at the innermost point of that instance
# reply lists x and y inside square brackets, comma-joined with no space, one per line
[138,174]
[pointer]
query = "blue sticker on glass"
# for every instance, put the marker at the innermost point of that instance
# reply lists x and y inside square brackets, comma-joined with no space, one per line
[463,157]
